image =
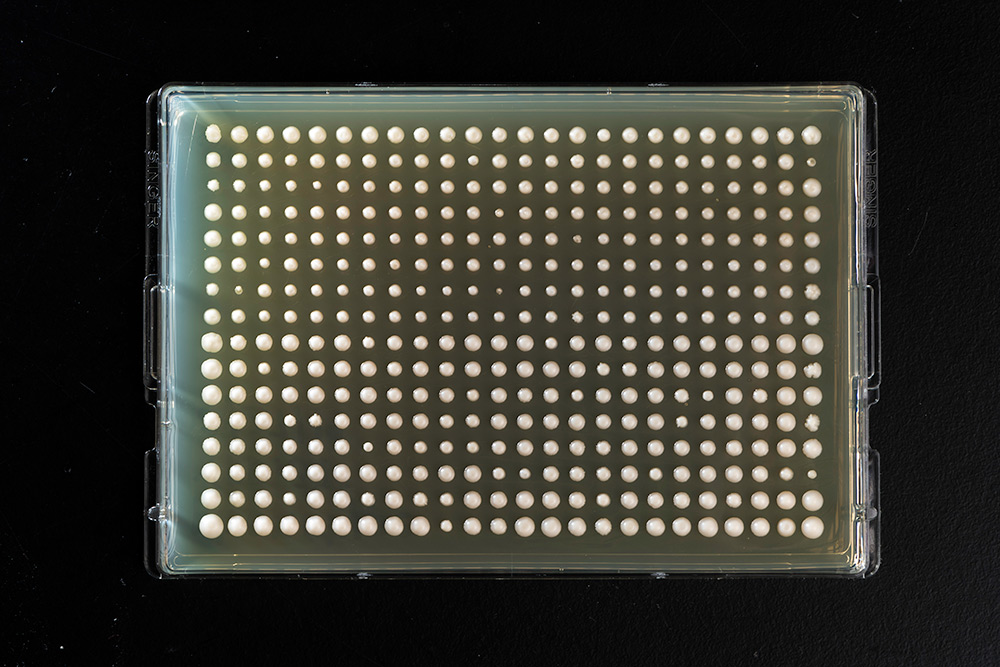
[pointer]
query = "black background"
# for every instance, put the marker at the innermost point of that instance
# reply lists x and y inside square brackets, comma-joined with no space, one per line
[73,84]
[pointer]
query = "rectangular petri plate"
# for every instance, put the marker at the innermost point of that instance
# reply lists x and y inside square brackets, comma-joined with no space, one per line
[511,330]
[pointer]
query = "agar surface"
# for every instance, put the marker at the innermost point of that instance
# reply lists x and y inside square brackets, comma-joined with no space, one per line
[611,330]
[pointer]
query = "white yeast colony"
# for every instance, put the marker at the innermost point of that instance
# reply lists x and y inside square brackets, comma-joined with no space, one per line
[651,450]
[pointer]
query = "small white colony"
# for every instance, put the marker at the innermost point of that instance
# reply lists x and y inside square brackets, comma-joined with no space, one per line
[538,267]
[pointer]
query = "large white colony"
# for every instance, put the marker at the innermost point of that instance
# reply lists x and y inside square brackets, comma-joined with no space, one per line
[538,355]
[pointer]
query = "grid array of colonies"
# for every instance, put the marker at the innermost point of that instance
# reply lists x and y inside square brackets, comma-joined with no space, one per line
[518,330]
